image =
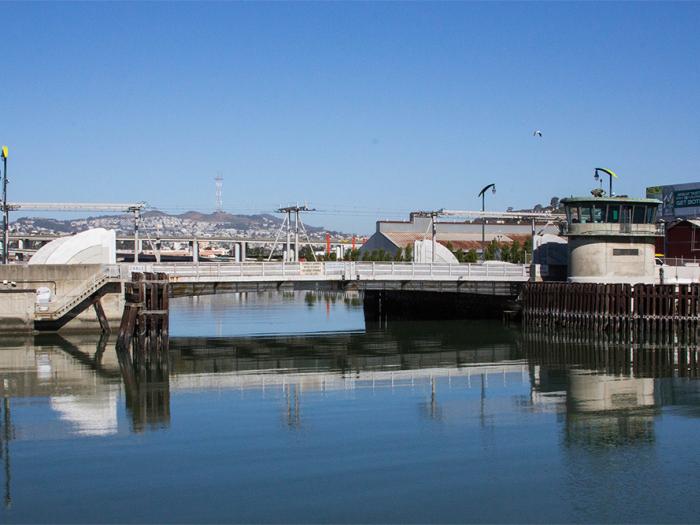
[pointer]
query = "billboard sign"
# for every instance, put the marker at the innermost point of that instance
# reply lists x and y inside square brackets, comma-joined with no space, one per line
[678,201]
[686,199]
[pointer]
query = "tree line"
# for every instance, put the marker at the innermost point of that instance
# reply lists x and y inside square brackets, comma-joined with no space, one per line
[514,252]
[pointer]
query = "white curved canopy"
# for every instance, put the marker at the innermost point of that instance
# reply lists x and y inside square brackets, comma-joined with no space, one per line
[423,253]
[96,246]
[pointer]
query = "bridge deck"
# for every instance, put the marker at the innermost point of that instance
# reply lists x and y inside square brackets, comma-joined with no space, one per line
[194,279]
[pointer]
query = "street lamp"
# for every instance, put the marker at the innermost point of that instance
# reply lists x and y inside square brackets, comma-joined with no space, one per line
[610,174]
[482,194]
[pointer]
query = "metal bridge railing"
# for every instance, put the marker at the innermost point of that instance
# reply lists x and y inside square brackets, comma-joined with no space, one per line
[337,271]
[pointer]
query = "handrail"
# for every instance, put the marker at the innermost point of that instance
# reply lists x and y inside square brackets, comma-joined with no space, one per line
[338,270]
[79,293]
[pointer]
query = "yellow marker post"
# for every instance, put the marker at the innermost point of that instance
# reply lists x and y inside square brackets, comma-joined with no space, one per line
[5,214]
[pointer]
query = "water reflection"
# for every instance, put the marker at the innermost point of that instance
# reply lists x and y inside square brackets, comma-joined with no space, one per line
[147,387]
[82,376]
[404,354]
[236,314]
[6,434]
[610,392]
[476,393]
[400,346]
[77,378]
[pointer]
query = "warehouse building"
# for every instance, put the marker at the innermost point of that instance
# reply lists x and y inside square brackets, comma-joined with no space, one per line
[392,236]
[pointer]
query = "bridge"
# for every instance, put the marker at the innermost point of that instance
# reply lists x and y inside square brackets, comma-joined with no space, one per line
[360,273]
[74,289]
[101,286]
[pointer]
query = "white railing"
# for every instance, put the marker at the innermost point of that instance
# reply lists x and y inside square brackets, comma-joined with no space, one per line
[681,261]
[335,271]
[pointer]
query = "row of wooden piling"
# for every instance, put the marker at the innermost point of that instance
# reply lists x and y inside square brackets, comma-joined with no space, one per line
[645,309]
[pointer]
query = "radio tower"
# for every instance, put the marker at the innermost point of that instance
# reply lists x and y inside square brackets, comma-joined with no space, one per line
[219,193]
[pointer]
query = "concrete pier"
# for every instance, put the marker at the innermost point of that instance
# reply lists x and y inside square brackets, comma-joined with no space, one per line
[19,309]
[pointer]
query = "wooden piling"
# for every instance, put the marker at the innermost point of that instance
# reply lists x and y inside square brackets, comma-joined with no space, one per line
[660,312]
[145,320]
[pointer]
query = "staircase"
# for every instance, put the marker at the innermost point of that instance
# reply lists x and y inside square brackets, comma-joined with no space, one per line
[55,310]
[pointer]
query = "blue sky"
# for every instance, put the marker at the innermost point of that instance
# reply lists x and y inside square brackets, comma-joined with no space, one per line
[363,110]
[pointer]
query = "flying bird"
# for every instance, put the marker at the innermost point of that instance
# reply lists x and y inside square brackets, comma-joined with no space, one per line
[537,133]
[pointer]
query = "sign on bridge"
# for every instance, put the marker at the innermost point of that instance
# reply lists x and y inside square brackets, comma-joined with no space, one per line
[311,268]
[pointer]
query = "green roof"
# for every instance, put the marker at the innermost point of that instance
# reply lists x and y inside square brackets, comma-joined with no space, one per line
[629,200]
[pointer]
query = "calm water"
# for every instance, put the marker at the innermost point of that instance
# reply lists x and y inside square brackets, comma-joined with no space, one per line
[286,408]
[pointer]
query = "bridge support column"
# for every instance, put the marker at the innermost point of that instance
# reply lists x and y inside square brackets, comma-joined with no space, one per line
[243,246]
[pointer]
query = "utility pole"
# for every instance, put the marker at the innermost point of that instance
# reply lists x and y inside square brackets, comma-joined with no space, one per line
[288,219]
[298,227]
[5,210]
[136,210]
[158,243]
[432,226]
[296,235]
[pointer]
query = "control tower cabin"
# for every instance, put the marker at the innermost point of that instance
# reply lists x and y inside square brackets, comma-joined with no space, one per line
[611,239]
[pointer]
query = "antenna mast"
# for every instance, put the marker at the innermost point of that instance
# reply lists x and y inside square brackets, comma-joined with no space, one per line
[219,192]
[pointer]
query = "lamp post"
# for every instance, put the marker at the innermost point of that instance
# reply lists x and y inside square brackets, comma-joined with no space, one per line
[5,211]
[610,174]
[482,194]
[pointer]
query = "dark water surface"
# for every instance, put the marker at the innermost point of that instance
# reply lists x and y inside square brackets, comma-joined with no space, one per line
[286,408]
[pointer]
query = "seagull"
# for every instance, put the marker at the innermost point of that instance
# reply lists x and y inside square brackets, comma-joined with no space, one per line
[537,133]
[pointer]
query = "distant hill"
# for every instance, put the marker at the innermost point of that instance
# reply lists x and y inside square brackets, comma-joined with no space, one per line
[230,220]
[184,224]
[49,224]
